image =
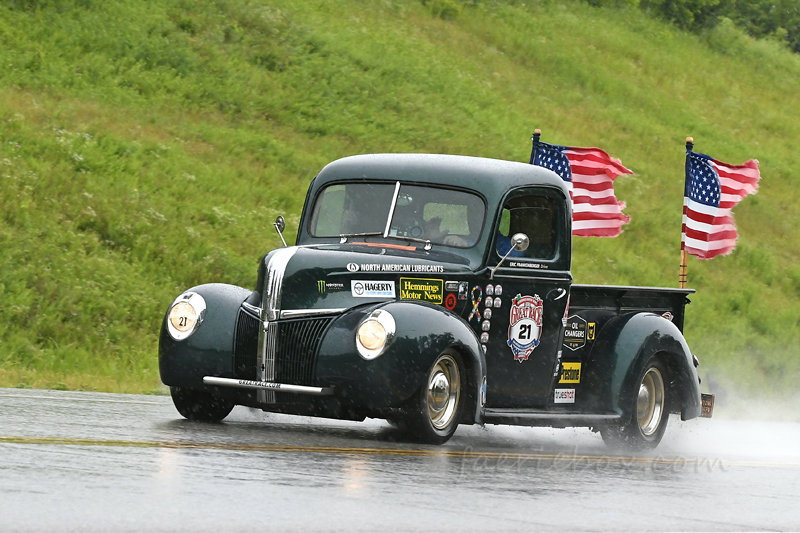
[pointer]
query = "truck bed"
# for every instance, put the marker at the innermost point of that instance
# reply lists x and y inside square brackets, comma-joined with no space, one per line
[622,300]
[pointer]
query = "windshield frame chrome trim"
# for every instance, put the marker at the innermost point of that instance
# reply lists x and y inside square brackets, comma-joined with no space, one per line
[391,209]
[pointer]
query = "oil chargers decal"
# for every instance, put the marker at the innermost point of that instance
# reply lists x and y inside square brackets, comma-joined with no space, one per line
[575,333]
[525,325]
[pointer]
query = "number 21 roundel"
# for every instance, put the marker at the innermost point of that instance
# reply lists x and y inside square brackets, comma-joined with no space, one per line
[525,325]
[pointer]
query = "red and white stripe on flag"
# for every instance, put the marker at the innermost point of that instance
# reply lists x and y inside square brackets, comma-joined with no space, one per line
[710,231]
[596,212]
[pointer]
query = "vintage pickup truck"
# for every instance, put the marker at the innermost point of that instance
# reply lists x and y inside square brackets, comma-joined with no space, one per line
[432,291]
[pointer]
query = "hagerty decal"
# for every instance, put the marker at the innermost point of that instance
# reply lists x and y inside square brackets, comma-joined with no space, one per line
[372,289]
[525,325]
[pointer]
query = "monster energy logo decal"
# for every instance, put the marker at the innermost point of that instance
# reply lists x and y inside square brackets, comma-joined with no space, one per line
[326,286]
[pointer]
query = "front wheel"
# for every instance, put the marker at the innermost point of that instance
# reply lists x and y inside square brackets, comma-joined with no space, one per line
[200,406]
[650,413]
[432,415]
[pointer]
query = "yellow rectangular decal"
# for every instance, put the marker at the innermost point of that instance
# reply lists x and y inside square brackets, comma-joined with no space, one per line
[422,290]
[570,373]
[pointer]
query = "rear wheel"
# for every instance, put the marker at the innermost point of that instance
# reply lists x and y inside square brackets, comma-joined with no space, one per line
[201,406]
[649,414]
[432,415]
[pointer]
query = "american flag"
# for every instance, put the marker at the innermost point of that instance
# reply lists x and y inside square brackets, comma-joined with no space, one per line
[590,174]
[712,189]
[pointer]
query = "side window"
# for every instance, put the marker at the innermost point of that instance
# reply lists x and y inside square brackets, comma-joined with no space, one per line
[536,217]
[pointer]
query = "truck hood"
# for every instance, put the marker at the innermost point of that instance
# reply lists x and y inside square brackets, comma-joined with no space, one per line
[342,276]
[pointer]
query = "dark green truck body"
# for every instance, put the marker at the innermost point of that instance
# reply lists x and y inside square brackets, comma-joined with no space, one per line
[547,352]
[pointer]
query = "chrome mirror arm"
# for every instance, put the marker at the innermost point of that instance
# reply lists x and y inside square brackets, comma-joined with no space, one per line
[519,242]
[280,225]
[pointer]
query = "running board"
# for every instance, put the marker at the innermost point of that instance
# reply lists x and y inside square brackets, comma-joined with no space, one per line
[267,385]
[527,417]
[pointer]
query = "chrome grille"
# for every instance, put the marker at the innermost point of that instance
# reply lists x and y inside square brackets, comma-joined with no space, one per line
[297,345]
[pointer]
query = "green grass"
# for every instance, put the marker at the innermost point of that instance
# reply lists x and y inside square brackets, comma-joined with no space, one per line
[147,146]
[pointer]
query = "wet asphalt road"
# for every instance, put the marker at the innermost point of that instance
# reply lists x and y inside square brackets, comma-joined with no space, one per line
[72,461]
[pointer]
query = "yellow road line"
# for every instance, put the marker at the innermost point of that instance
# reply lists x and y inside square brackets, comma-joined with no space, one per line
[462,454]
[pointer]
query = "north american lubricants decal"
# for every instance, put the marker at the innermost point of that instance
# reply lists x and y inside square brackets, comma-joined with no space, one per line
[525,325]
[422,290]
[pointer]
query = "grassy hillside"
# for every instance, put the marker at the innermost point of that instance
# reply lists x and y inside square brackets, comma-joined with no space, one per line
[147,146]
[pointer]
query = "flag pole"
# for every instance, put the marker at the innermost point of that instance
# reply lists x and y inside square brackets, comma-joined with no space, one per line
[682,275]
[536,134]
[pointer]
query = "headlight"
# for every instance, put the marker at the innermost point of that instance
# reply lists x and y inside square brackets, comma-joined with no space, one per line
[375,334]
[185,315]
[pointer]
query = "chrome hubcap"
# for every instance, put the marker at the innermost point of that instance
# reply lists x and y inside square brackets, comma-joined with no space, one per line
[444,388]
[650,403]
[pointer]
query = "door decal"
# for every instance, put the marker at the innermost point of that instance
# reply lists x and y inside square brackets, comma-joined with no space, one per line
[476,302]
[525,325]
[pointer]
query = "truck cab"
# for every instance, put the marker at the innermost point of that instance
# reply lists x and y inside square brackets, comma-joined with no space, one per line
[432,291]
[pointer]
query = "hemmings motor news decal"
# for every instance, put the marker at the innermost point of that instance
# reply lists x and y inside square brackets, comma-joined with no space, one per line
[372,289]
[525,325]
[421,290]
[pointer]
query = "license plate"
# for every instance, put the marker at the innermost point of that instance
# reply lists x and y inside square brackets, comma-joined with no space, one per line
[708,405]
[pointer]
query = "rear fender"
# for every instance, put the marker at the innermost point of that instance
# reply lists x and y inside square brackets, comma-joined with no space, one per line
[623,347]
[423,332]
[209,350]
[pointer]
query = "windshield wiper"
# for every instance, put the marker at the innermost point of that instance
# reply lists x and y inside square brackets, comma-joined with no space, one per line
[343,236]
[367,234]
[426,242]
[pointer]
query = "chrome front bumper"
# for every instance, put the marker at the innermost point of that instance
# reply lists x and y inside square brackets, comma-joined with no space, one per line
[267,385]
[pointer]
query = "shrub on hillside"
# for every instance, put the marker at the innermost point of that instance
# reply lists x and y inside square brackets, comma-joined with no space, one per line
[771,19]
[778,19]
[687,14]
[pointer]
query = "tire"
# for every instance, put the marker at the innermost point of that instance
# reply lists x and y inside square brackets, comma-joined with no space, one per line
[200,406]
[649,412]
[431,416]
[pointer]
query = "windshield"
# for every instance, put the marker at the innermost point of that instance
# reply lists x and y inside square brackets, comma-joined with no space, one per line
[418,213]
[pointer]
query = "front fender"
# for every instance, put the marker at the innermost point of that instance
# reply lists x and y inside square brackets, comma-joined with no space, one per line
[209,350]
[423,332]
[621,350]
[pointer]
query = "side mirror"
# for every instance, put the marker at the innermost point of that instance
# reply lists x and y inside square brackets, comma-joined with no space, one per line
[280,225]
[519,241]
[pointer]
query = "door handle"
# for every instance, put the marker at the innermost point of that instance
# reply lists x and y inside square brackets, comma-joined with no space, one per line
[559,292]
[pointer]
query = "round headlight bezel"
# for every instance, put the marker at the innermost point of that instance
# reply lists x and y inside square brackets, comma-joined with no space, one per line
[176,329]
[375,322]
